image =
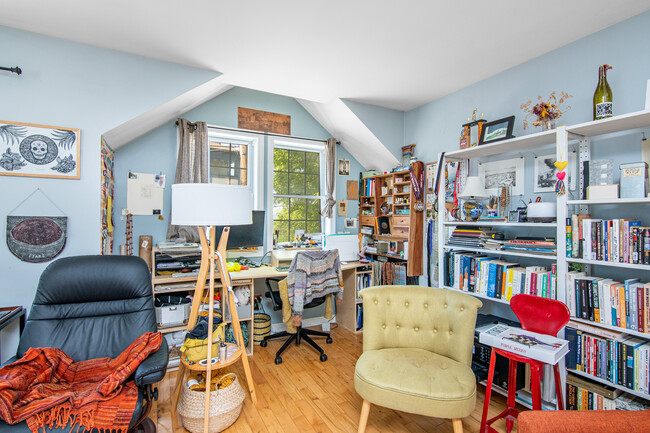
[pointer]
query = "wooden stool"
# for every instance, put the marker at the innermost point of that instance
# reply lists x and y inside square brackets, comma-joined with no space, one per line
[541,315]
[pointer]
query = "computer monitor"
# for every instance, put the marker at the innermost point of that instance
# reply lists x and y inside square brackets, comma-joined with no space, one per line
[246,236]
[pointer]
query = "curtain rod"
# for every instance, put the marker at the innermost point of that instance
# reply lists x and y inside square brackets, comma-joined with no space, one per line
[15,70]
[250,131]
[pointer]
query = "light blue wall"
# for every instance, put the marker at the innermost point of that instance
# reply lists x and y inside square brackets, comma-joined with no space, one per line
[386,124]
[73,85]
[156,152]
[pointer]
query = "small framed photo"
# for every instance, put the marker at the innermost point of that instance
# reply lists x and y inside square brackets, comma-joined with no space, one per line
[497,130]
[350,223]
[344,167]
[514,216]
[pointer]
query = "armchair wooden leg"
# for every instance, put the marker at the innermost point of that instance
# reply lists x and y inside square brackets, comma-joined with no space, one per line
[363,420]
[458,425]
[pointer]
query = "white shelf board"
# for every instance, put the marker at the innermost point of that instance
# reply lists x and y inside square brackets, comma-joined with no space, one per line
[613,328]
[478,295]
[615,201]
[513,145]
[502,252]
[607,382]
[497,223]
[634,120]
[612,264]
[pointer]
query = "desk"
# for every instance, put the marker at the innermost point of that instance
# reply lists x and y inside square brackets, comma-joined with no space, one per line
[9,316]
[346,313]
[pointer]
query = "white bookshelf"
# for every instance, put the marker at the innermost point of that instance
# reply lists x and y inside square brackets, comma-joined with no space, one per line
[607,382]
[610,264]
[501,252]
[497,224]
[615,201]
[478,295]
[611,328]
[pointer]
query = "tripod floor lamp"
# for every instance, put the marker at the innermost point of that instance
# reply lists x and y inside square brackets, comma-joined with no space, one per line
[208,205]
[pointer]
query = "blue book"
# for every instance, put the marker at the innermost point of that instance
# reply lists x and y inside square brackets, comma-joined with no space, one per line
[630,315]
[492,278]
[571,335]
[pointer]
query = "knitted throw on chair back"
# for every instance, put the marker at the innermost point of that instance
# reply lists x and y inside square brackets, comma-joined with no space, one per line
[47,388]
[313,274]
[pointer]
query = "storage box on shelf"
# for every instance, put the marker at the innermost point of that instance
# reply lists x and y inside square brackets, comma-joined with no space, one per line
[391,196]
[178,275]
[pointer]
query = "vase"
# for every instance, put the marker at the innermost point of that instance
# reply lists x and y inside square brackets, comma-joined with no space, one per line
[548,124]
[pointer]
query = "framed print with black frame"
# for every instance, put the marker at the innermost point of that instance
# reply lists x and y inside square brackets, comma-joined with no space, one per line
[497,130]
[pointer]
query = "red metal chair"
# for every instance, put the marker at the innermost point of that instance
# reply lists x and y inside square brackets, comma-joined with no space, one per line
[541,315]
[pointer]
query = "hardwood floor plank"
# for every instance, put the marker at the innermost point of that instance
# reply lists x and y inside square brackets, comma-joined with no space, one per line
[304,395]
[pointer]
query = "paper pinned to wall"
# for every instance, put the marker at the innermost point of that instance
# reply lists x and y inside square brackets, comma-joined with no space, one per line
[144,193]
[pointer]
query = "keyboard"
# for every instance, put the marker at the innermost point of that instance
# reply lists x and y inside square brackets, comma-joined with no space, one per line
[282,268]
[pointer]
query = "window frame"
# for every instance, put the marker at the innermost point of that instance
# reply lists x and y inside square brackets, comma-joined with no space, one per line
[255,158]
[298,144]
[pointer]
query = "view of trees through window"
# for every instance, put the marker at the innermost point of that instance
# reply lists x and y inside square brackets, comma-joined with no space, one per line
[296,192]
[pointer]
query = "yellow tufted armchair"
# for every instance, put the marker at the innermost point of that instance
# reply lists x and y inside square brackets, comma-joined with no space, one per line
[417,352]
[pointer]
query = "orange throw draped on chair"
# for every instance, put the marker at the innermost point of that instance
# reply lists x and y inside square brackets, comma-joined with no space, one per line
[47,388]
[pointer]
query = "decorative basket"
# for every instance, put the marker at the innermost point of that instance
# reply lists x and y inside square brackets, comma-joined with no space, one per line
[225,407]
[261,327]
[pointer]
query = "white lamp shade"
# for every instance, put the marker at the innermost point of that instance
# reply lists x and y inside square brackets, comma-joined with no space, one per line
[210,204]
[474,188]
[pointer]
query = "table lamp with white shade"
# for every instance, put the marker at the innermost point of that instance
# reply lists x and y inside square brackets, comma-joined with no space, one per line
[473,191]
[206,206]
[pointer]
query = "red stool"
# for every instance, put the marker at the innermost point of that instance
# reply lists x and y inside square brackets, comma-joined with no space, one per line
[541,315]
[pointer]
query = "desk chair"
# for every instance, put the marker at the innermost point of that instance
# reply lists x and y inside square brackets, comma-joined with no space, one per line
[301,333]
[536,314]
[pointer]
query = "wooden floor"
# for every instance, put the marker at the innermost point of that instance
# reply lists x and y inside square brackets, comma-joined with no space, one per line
[305,395]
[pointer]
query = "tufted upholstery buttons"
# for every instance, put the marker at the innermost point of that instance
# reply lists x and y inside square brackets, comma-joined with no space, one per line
[417,329]
[397,326]
[426,305]
[388,302]
[451,332]
[435,331]
[445,305]
[383,327]
[406,304]
[376,302]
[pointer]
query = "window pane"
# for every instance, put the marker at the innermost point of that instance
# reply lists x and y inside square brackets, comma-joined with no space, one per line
[313,227]
[313,210]
[283,228]
[295,225]
[280,183]
[312,186]
[298,209]
[238,155]
[280,160]
[281,208]
[296,161]
[228,163]
[313,164]
[219,175]
[296,184]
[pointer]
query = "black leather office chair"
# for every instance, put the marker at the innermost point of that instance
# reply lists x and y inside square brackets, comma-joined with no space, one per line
[93,307]
[301,333]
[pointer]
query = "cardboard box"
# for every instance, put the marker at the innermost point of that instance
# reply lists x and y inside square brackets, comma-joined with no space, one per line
[602,192]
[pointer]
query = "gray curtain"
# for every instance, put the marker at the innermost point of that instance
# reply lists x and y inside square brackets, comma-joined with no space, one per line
[330,173]
[191,167]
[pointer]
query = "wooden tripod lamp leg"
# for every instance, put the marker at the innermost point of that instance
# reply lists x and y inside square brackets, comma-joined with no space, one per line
[236,326]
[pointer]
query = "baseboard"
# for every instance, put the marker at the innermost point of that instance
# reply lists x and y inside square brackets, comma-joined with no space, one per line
[306,323]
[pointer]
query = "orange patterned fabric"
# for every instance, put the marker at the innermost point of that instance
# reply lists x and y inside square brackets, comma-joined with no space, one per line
[47,388]
[571,421]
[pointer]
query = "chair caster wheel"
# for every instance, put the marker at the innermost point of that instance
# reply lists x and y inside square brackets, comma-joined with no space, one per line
[329,340]
[323,357]
[278,360]
[263,343]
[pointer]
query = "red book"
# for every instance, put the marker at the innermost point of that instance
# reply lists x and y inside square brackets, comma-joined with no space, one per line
[641,305]
[533,283]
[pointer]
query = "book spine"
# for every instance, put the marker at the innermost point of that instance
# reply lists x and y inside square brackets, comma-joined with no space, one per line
[574,235]
[569,237]
[497,282]
[584,300]
[594,289]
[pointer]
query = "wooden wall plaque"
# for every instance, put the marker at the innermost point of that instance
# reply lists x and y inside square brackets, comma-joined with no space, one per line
[265,121]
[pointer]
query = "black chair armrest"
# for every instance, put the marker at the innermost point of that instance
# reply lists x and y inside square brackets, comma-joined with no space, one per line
[153,369]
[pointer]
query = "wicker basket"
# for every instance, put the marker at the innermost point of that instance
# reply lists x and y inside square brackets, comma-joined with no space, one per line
[225,407]
[261,326]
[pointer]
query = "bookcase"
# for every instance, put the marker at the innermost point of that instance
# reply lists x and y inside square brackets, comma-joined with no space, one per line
[598,138]
[389,198]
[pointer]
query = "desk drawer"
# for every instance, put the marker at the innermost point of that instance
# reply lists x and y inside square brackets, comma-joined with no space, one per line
[401,221]
[367,220]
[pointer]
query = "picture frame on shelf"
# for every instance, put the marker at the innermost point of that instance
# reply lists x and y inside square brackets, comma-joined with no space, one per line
[497,130]
[545,170]
[507,172]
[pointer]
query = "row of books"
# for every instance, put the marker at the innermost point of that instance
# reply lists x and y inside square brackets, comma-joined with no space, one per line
[583,394]
[499,279]
[363,281]
[470,237]
[618,240]
[359,316]
[603,300]
[369,189]
[612,356]
[524,245]
[391,273]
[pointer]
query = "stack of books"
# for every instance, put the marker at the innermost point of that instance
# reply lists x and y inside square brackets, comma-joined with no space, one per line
[609,355]
[541,347]
[618,240]
[603,300]
[531,245]
[470,237]
[499,279]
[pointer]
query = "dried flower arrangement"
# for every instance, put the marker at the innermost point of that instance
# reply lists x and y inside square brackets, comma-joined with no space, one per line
[545,111]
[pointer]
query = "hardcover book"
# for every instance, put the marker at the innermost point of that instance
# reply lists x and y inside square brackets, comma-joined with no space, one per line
[536,346]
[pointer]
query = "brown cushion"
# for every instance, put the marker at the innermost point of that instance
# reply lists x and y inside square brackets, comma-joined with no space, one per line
[571,421]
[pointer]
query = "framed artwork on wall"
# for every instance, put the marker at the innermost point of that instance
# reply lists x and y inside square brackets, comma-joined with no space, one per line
[39,150]
[508,172]
[545,170]
[497,130]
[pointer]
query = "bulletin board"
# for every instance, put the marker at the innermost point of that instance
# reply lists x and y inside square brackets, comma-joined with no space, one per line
[144,193]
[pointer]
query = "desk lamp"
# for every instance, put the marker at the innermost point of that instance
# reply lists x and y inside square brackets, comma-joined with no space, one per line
[207,205]
[473,191]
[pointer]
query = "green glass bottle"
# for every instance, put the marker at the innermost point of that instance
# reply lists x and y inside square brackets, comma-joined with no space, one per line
[603,95]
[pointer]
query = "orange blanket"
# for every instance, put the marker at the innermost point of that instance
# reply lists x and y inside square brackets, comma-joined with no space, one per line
[47,388]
